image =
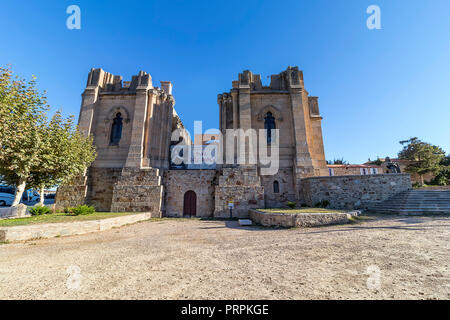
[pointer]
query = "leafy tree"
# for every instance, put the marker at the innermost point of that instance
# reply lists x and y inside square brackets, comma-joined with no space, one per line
[377,162]
[424,157]
[337,161]
[65,153]
[446,161]
[35,151]
[22,118]
[443,177]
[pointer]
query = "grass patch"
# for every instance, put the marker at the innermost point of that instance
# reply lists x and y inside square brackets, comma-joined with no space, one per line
[62,217]
[301,210]
[360,219]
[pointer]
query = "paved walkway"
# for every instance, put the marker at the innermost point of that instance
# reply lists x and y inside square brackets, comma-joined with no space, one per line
[192,259]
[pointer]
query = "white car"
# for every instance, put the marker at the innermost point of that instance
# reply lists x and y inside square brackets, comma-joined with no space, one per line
[6,199]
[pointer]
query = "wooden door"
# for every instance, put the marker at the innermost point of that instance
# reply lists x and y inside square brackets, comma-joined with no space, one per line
[190,203]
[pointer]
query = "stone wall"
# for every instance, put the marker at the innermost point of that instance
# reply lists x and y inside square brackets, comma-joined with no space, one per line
[101,183]
[72,194]
[286,190]
[138,190]
[353,192]
[19,211]
[243,187]
[178,182]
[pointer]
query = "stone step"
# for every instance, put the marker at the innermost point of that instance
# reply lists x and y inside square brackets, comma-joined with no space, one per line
[402,208]
[411,210]
[418,203]
[415,202]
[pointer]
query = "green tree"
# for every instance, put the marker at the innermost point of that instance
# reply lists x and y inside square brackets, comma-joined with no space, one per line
[22,119]
[424,157]
[337,161]
[443,177]
[446,161]
[65,153]
[377,162]
[33,150]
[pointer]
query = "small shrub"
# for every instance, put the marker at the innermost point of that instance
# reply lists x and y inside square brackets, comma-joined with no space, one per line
[39,210]
[322,204]
[68,210]
[417,185]
[291,204]
[82,210]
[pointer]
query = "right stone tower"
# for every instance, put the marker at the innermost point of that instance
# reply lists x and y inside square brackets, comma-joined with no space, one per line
[285,103]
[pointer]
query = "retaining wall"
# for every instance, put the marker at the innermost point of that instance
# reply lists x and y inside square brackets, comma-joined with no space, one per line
[354,192]
[50,230]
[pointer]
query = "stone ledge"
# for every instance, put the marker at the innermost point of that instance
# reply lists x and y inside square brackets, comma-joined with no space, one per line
[50,230]
[19,211]
[367,176]
[288,220]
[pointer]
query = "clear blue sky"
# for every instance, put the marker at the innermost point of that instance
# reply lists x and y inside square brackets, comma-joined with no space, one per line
[375,87]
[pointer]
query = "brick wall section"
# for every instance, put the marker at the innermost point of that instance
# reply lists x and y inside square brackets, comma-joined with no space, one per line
[243,187]
[138,190]
[178,182]
[354,192]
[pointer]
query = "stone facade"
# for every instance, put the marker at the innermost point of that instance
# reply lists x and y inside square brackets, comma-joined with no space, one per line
[354,192]
[242,186]
[132,125]
[178,182]
[138,190]
[353,169]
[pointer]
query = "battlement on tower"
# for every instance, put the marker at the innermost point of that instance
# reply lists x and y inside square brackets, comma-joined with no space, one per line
[109,83]
[292,77]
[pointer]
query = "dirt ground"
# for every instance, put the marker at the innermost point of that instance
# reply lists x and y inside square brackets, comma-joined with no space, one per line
[194,259]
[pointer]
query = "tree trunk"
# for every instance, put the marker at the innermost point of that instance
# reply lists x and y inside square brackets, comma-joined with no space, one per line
[19,191]
[41,196]
[421,180]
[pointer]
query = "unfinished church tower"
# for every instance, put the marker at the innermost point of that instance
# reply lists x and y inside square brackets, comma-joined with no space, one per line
[131,123]
[284,105]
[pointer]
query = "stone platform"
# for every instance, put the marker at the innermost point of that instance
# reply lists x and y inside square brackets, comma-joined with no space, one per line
[289,220]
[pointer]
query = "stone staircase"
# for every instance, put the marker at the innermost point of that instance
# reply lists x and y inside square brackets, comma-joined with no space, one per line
[416,202]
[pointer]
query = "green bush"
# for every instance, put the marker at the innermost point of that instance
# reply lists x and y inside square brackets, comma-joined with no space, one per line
[442,178]
[322,204]
[82,210]
[39,210]
[291,204]
[68,210]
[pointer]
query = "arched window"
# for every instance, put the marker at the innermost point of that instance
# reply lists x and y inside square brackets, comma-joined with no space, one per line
[276,187]
[269,124]
[116,129]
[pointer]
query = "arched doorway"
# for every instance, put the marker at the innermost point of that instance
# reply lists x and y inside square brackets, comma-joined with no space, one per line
[190,204]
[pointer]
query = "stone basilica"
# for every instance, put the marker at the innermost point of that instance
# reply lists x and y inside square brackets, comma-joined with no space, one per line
[132,124]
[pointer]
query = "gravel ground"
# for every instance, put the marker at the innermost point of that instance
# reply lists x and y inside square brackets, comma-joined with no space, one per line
[193,259]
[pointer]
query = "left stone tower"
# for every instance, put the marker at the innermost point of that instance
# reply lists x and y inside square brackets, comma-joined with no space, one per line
[131,122]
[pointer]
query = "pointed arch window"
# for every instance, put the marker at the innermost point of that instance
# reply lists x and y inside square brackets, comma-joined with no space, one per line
[116,129]
[269,124]
[276,187]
